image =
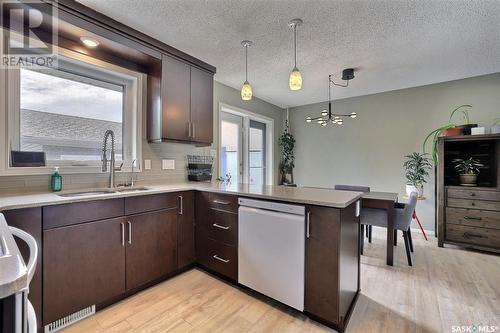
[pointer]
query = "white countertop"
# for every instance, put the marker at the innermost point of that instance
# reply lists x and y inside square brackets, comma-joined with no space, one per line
[312,196]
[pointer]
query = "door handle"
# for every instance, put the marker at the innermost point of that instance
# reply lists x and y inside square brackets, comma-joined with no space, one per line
[221,202]
[181,205]
[129,232]
[122,227]
[308,224]
[220,226]
[220,259]
[472,218]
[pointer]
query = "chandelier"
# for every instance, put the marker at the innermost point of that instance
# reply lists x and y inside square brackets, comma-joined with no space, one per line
[327,116]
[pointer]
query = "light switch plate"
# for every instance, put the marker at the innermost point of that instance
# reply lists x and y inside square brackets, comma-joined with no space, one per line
[168,164]
[147,164]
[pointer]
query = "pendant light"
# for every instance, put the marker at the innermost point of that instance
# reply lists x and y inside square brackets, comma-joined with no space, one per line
[246,89]
[327,116]
[295,81]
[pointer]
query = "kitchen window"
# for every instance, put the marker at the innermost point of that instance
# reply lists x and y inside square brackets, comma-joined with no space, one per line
[65,112]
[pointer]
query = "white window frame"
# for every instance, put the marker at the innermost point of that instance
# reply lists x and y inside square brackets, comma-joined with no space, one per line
[133,102]
[247,116]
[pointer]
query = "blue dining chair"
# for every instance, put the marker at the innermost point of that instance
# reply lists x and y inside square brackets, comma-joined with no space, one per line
[403,214]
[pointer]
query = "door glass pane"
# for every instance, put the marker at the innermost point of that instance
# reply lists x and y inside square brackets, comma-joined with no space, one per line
[230,150]
[65,114]
[257,153]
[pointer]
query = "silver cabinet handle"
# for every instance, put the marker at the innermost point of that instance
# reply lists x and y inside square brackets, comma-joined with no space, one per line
[122,226]
[358,208]
[308,224]
[221,202]
[221,226]
[472,218]
[220,259]
[181,205]
[129,232]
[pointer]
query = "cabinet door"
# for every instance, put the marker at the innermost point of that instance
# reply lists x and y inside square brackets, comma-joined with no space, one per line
[151,246]
[175,94]
[321,286]
[30,220]
[185,230]
[202,94]
[83,264]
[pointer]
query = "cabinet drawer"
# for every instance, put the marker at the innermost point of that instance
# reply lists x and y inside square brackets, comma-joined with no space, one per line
[474,204]
[226,202]
[473,235]
[147,203]
[223,226]
[473,194]
[473,217]
[80,212]
[222,258]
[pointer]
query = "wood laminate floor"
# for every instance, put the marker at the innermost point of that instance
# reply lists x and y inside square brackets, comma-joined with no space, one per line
[445,287]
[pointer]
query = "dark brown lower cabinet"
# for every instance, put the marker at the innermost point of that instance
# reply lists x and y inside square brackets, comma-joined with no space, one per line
[30,220]
[332,264]
[83,264]
[151,244]
[185,230]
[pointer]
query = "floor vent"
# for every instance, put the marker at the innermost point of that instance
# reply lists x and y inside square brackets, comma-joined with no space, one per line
[70,319]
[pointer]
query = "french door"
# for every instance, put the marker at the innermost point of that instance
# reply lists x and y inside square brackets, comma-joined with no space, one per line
[243,153]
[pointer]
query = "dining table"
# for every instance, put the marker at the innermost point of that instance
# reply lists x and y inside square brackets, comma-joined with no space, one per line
[383,200]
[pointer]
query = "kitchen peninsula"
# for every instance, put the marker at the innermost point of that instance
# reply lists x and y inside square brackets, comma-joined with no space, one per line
[137,237]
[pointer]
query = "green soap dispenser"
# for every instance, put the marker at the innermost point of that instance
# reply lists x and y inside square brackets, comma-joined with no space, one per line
[56,180]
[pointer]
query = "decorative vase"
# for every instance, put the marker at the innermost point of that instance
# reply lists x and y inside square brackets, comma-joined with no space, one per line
[468,179]
[412,188]
[478,130]
[454,131]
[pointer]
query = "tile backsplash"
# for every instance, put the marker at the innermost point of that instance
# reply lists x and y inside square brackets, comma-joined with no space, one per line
[154,152]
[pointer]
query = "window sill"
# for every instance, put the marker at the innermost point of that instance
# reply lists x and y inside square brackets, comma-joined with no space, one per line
[68,170]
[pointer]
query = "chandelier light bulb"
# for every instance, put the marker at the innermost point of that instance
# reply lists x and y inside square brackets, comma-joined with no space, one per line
[323,123]
[308,119]
[353,115]
[324,113]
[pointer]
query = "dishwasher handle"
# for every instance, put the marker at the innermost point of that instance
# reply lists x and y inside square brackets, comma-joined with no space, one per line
[308,224]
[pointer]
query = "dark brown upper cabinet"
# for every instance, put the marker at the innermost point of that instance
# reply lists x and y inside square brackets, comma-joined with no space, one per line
[180,104]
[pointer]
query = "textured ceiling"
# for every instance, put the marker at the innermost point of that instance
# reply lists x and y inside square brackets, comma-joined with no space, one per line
[392,44]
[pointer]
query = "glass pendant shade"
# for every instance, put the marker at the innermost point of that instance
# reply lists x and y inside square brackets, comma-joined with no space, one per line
[295,79]
[246,91]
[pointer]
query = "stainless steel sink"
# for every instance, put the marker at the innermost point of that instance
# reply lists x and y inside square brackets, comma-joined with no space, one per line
[86,193]
[131,189]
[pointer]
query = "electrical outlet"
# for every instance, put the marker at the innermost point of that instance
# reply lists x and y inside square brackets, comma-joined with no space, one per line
[147,164]
[168,164]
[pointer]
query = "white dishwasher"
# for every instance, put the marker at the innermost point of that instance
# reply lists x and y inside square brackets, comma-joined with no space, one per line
[271,249]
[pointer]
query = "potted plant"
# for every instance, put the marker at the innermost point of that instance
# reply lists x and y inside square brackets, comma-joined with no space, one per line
[466,127]
[468,169]
[287,163]
[417,167]
[449,129]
